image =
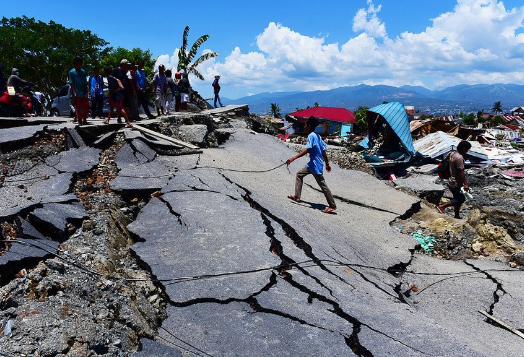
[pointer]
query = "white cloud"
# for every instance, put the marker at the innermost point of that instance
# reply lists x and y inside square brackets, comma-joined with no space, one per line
[367,20]
[477,42]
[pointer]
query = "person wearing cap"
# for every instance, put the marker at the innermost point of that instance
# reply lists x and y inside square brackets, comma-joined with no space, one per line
[216,90]
[316,148]
[78,83]
[159,86]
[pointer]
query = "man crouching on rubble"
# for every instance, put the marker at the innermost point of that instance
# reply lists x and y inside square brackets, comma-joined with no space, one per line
[317,154]
[457,178]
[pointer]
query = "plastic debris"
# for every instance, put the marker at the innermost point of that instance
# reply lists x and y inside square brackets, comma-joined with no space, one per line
[427,242]
[8,327]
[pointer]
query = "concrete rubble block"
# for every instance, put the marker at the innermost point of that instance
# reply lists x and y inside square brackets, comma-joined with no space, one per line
[150,176]
[32,188]
[75,160]
[422,186]
[104,140]
[75,136]
[144,149]
[24,249]
[19,135]
[55,216]
[125,156]
[28,230]
[194,134]
[154,348]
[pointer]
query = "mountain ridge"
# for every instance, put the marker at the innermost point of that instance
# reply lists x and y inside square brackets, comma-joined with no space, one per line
[451,100]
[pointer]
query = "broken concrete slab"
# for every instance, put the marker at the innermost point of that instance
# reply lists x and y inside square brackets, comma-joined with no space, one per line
[28,231]
[15,197]
[157,349]
[423,186]
[144,149]
[17,136]
[55,216]
[75,136]
[104,140]
[204,249]
[153,142]
[23,251]
[75,160]
[195,134]
[150,176]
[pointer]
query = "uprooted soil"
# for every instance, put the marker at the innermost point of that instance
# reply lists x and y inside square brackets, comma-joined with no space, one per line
[492,223]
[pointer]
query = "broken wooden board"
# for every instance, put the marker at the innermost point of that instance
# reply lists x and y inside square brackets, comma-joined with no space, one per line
[165,137]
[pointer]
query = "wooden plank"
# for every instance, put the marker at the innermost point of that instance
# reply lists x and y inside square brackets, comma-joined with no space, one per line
[165,137]
[503,324]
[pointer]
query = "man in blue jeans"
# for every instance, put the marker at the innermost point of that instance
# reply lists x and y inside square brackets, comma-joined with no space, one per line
[216,90]
[96,91]
[457,178]
[316,148]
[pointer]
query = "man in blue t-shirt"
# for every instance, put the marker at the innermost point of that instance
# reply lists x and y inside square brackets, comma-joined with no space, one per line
[317,154]
[78,82]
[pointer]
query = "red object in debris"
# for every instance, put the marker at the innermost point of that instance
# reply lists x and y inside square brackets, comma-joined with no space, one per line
[513,173]
[283,137]
[341,115]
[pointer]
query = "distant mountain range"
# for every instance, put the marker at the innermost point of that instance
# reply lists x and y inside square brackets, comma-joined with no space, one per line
[468,98]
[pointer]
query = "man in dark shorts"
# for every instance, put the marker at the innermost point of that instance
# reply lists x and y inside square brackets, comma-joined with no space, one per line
[121,74]
[457,179]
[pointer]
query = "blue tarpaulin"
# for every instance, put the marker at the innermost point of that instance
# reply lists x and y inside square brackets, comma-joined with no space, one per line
[397,118]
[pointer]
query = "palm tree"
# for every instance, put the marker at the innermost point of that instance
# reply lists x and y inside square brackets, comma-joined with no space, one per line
[497,107]
[274,111]
[185,58]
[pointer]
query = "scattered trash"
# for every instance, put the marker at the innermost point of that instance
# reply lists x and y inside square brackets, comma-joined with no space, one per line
[8,328]
[427,242]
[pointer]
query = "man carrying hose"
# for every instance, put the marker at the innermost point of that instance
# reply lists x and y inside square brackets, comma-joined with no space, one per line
[317,154]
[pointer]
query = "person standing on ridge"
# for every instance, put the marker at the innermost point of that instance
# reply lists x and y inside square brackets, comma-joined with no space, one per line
[216,90]
[141,83]
[96,90]
[316,148]
[159,86]
[78,82]
[457,179]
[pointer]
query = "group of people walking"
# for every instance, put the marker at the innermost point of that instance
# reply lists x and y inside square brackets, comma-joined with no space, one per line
[127,91]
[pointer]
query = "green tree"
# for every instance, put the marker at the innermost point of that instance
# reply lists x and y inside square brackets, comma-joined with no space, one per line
[44,52]
[497,120]
[185,58]
[361,122]
[497,107]
[462,115]
[274,111]
[480,118]
[113,57]
[469,119]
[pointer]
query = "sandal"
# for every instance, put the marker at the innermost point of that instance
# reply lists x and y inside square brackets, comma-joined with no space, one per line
[330,210]
[440,209]
[293,198]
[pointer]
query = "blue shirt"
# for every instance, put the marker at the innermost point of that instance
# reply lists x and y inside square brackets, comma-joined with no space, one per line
[316,147]
[97,85]
[140,79]
[78,79]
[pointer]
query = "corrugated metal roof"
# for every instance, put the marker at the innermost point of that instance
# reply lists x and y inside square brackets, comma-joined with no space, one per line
[397,118]
[439,144]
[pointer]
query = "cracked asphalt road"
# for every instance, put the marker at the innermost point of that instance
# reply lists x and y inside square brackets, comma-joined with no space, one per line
[351,294]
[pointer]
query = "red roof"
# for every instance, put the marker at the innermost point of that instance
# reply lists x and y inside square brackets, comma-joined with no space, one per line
[325,113]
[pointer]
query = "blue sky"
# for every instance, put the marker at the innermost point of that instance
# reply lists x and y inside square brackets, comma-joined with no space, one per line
[307,45]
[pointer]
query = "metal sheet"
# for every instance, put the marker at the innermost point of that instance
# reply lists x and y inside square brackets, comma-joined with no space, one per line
[439,144]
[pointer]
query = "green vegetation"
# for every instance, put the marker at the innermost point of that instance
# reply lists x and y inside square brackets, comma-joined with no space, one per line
[469,119]
[274,111]
[497,120]
[185,58]
[44,52]
[497,107]
[361,123]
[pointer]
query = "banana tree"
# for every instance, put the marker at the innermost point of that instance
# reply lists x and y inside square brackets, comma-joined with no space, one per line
[185,58]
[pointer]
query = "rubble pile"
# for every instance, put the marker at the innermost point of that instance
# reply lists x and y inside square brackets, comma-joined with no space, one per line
[495,219]
[348,159]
